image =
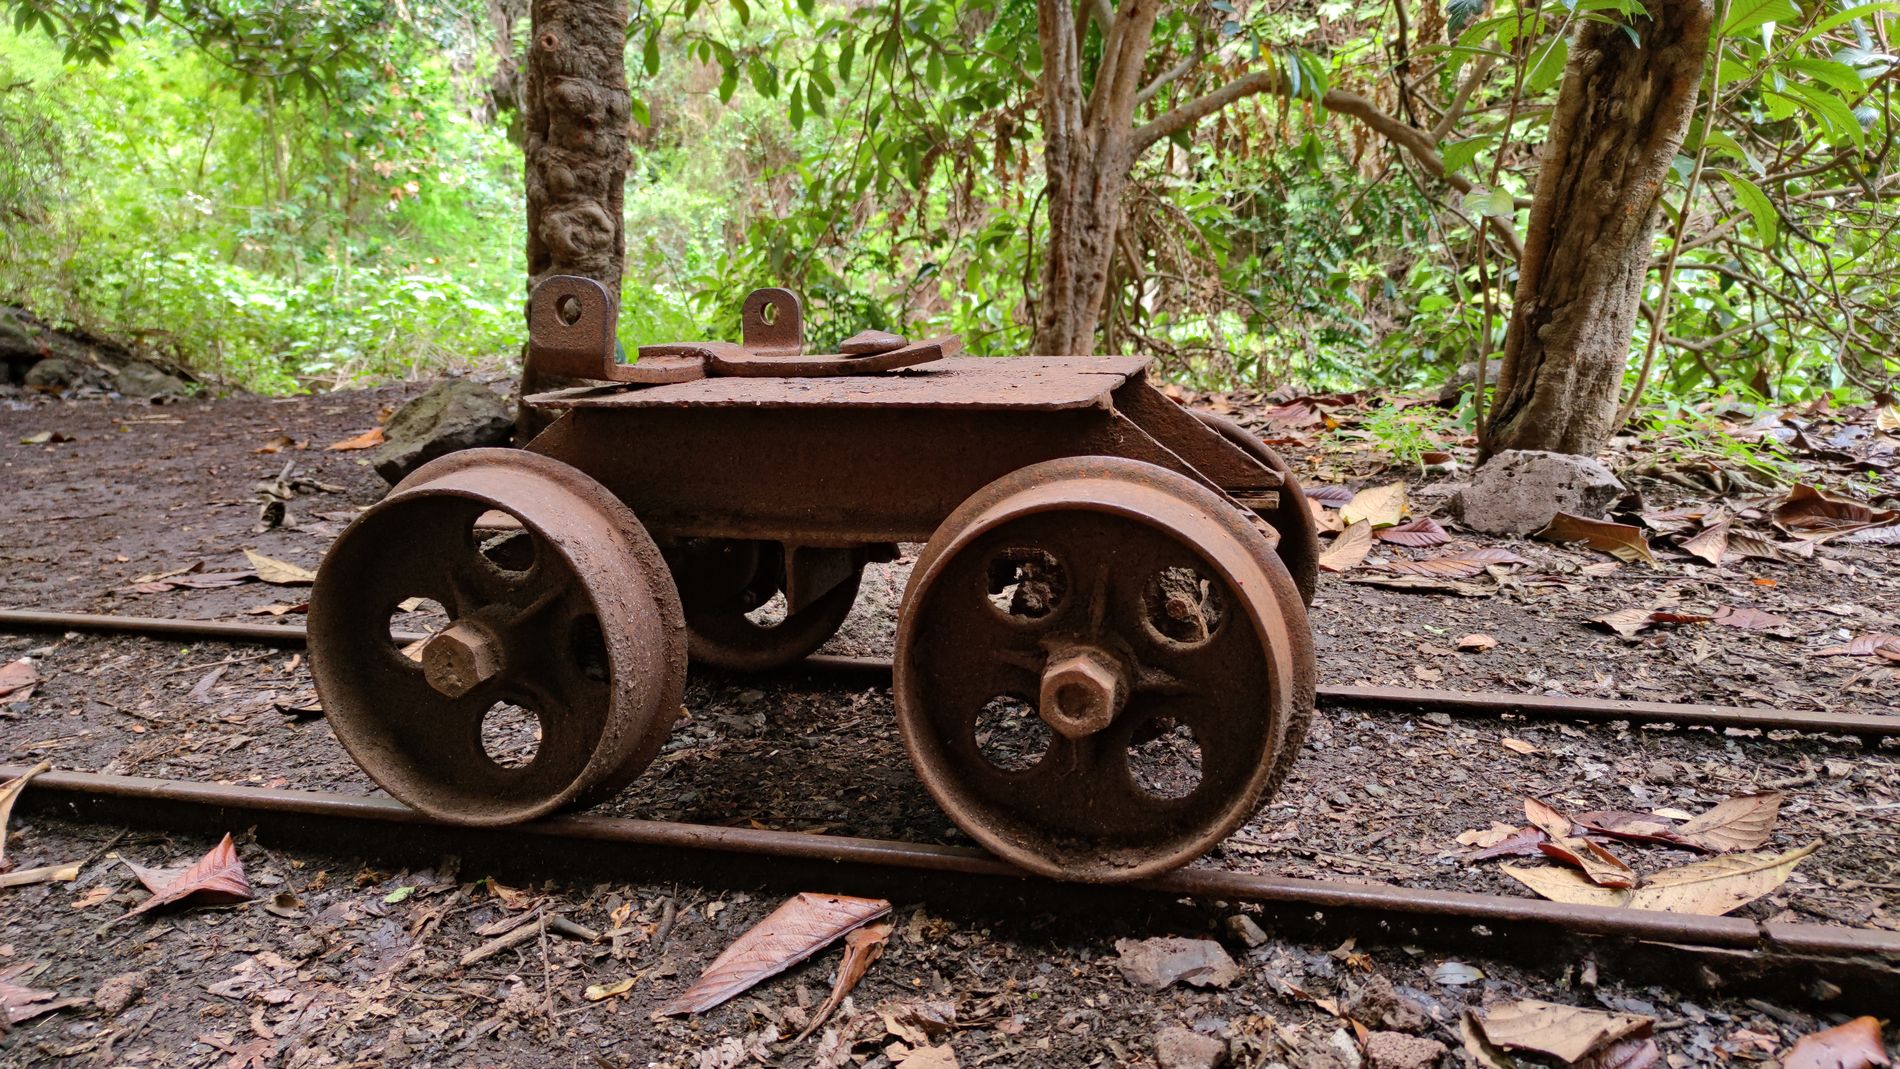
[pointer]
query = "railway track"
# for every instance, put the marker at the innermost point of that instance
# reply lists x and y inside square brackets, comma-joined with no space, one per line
[1733,949]
[1871,726]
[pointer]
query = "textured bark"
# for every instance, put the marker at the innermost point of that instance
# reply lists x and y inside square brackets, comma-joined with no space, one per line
[577,108]
[1619,119]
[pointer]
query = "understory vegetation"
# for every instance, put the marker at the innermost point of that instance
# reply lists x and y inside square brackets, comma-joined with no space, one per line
[349,209]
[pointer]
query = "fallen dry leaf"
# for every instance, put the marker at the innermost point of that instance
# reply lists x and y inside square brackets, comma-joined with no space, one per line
[10,793]
[1863,646]
[1325,520]
[1518,746]
[1602,867]
[277,444]
[1422,533]
[1461,564]
[1566,1033]
[1484,837]
[1619,540]
[24,1003]
[1633,1052]
[18,680]
[1854,1045]
[46,438]
[942,1056]
[369,439]
[282,573]
[1887,418]
[1748,619]
[216,878]
[1741,823]
[601,992]
[1710,888]
[1477,642]
[1712,544]
[861,949]
[1522,842]
[1330,494]
[1814,516]
[1156,963]
[1349,549]
[1381,506]
[1636,827]
[805,924]
[1630,622]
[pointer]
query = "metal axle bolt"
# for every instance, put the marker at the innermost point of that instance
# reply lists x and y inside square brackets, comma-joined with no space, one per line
[460,658]
[1083,690]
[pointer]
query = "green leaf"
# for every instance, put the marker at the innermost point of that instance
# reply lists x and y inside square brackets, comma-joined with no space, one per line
[798,109]
[1756,204]
[1833,112]
[1745,15]
[638,107]
[728,84]
[1459,154]
[745,13]
[1837,76]
[1459,12]
[1549,64]
[652,53]
[398,894]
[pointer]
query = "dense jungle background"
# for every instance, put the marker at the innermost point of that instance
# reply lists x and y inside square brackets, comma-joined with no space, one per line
[307,195]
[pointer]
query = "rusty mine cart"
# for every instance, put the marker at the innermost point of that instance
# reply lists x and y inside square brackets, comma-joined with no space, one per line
[1103,572]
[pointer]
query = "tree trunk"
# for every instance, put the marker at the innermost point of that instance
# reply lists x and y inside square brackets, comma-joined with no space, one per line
[577,108]
[1619,119]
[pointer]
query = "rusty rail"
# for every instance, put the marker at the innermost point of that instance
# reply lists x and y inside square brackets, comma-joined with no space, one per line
[1450,702]
[145,801]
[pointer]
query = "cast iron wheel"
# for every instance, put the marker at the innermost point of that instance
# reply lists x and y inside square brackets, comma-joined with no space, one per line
[1097,665]
[1299,542]
[563,662]
[723,581]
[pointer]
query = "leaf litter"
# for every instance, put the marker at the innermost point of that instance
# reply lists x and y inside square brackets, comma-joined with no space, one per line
[214,879]
[804,925]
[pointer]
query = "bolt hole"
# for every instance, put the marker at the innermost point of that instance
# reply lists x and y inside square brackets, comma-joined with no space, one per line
[768,313]
[511,735]
[415,616]
[1026,583]
[504,543]
[1184,606]
[1010,735]
[568,308]
[1165,758]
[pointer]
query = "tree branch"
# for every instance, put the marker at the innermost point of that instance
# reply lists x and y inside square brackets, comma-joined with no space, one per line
[1173,73]
[1456,108]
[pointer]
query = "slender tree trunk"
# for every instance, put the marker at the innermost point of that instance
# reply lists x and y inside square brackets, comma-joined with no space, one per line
[1620,117]
[576,151]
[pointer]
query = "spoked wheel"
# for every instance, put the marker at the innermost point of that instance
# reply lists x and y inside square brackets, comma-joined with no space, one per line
[563,662]
[728,586]
[1299,542]
[1097,666]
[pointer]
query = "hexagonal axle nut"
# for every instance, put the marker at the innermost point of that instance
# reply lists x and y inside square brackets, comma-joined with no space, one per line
[1083,690]
[461,658]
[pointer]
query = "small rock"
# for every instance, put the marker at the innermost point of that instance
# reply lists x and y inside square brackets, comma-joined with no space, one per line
[1519,490]
[1465,378]
[871,343]
[452,415]
[140,379]
[1158,963]
[119,992]
[53,375]
[1243,928]
[1179,1048]
[1394,1050]
[1381,1004]
[1660,772]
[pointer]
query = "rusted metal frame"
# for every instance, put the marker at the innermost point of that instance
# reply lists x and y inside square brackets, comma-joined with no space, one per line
[1371,699]
[62,790]
[836,476]
[1241,476]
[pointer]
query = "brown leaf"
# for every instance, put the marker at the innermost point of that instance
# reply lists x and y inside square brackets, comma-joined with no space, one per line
[1710,888]
[1748,619]
[1863,646]
[1381,506]
[216,878]
[1330,494]
[369,439]
[1566,1033]
[861,948]
[1324,519]
[1741,823]
[10,793]
[1812,515]
[18,680]
[1422,533]
[1631,621]
[1477,642]
[805,924]
[276,445]
[1854,1045]
[24,1003]
[1462,564]
[1349,549]
[1712,544]
[1636,827]
[1522,843]
[282,573]
[1604,868]
[1619,540]
[1634,1052]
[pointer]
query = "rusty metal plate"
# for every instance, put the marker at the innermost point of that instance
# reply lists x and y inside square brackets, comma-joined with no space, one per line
[967,383]
[752,365]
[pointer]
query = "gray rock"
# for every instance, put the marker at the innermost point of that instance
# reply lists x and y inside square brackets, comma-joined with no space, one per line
[119,992]
[140,379]
[1381,1004]
[1465,378]
[1158,963]
[54,374]
[1179,1048]
[1394,1050]
[454,414]
[1519,490]
[1243,928]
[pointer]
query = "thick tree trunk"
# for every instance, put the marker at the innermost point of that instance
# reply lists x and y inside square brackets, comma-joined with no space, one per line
[576,150]
[1619,119]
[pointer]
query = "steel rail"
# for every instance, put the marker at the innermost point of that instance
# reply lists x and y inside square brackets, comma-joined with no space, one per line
[147,799]
[1449,702]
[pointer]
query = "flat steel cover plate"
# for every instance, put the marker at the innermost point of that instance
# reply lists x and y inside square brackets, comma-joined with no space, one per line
[1037,382]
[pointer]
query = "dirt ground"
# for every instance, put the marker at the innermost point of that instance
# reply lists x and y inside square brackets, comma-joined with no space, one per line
[335,963]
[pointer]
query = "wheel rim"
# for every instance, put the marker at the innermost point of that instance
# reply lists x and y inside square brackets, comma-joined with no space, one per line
[721,589]
[1115,547]
[1292,518]
[572,621]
